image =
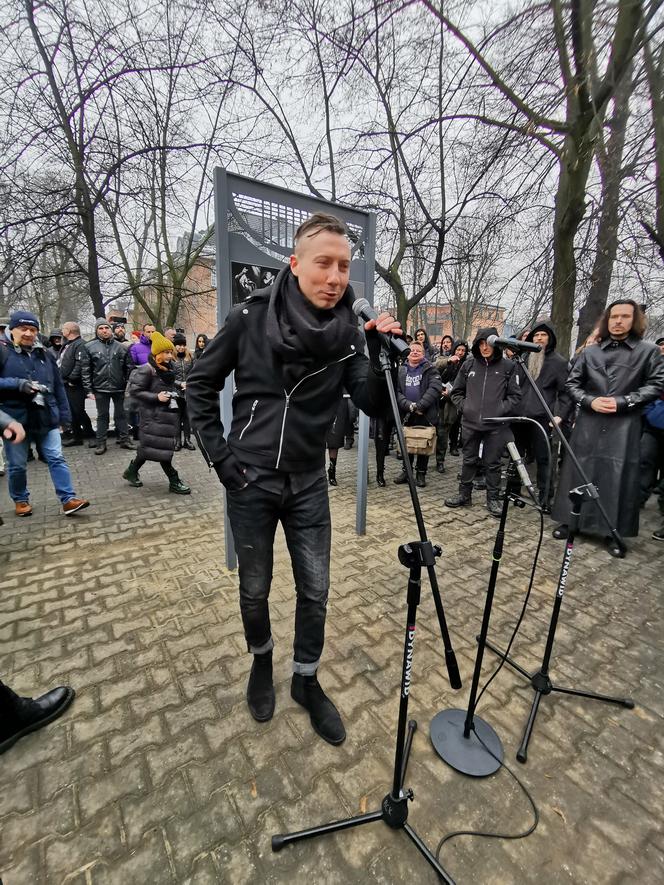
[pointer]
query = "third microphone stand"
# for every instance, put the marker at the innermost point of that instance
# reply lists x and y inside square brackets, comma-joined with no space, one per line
[541,680]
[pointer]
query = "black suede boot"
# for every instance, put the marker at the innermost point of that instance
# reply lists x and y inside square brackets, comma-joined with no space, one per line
[420,478]
[260,689]
[325,718]
[19,716]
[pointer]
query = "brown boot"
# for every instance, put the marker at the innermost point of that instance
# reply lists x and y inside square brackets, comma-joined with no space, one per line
[23,508]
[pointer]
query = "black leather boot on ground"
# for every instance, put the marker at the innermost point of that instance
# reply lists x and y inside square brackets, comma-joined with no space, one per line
[260,689]
[325,717]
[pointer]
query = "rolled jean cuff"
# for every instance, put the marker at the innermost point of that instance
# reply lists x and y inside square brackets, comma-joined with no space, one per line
[305,669]
[261,649]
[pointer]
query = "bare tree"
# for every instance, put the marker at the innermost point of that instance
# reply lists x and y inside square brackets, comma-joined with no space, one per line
[583,93]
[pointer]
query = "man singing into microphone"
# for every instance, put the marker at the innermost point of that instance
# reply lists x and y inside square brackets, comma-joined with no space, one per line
[294,347]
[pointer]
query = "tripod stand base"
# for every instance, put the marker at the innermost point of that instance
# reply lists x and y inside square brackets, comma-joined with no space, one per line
[467,755]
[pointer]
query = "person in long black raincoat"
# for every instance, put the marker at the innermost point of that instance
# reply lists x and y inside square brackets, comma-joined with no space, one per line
[611,382]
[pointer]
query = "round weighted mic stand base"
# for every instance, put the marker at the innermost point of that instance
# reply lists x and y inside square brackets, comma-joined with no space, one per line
[468,755]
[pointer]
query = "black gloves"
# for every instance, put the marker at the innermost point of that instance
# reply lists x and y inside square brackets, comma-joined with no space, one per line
[231,473]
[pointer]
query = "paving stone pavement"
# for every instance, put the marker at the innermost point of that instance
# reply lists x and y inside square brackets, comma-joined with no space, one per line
[158,773]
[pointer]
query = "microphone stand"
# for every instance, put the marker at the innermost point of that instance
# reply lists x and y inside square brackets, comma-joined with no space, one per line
[465,741]
[540,680]
[414,556]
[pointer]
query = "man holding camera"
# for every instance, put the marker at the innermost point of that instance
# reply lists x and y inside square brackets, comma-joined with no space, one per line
[33,394]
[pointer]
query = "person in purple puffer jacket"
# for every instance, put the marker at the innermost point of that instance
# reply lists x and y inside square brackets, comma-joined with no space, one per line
[140,351]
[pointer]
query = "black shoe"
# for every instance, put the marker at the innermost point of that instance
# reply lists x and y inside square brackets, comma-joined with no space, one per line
[332,473]
[658,535]
[178,446]
[401,479]
[348,443]
[614,549]
[101,449]
[440,467]
[23,715]
[454,453]
[494,507]
[126,443]
[260,689]
[421,479]
[188,444]
[325,717]
[68,443]
[380,479]
[460,500]
[560,532]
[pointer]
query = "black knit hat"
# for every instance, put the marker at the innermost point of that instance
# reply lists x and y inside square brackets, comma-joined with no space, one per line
[179,338]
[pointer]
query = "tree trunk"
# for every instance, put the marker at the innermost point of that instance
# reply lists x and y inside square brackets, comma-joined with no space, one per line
[609,162]
[570,207]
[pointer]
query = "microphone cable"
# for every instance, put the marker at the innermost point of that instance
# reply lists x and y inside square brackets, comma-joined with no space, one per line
[489,834]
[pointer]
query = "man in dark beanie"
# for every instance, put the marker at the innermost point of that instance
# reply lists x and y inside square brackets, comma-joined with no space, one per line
[105,374]
[549,371]
[611,382]
[33,394]
[293,347]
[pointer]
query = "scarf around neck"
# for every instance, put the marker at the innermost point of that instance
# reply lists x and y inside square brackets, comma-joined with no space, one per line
[304,336]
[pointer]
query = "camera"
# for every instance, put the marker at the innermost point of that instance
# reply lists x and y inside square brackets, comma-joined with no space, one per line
[173,397]
[40,390]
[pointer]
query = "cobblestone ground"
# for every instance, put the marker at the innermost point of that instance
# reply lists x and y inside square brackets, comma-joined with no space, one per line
[159,774]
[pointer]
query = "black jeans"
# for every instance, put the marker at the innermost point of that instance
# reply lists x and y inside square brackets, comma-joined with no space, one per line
[184,418]
[305,517]
[81,425]
[493,442]
[383,428]
[103,401]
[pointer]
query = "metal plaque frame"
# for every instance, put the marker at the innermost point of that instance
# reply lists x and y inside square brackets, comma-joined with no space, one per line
[254,225]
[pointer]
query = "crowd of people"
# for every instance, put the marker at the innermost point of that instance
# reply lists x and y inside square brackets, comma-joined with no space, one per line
[608,401]
[46,381]
[299,366]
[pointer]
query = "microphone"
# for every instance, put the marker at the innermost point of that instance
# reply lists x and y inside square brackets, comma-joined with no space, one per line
[522,471]
[513,343]
[362,309]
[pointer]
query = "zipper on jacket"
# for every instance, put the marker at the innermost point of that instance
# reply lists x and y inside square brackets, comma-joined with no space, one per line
[486,372]
[289,395]
[251,418]
[204,451]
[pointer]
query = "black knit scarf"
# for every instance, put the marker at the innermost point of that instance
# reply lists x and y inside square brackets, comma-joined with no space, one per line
[303,336]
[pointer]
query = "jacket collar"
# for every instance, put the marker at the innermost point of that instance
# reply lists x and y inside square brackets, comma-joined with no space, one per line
[631,341]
